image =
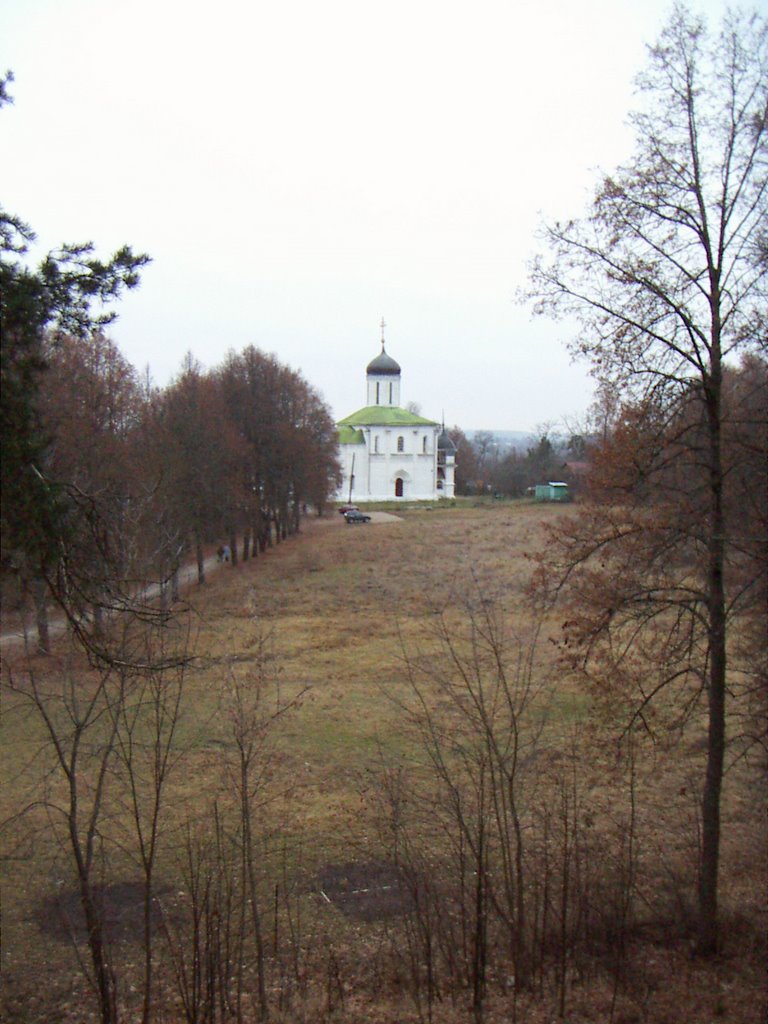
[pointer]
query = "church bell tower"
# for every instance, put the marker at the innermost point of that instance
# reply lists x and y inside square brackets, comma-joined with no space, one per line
[383,378]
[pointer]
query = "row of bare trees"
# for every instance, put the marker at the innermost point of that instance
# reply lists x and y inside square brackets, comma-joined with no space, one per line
[115,735]
[518,868]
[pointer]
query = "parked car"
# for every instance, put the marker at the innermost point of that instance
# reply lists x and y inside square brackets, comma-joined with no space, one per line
[354,515]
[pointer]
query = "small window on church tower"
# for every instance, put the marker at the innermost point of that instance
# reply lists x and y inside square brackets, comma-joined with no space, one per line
[378,385]
[424,444]
[401,444]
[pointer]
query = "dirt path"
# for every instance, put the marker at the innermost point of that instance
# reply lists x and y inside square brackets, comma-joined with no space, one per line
[25,632]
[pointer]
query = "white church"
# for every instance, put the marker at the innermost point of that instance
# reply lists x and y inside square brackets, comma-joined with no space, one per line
[389,453]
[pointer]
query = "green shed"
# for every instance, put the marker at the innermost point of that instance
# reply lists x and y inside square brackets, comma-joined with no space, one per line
[553,491]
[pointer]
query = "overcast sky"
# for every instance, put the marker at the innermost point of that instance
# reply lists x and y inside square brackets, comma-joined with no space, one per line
[300,169]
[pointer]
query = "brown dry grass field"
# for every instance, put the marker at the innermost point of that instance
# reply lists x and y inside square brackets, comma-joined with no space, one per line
[344,610]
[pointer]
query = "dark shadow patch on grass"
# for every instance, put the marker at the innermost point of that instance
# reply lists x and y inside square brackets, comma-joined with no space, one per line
[366,891]
[120,904]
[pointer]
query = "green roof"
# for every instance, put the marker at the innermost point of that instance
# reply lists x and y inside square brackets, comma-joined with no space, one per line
[349,435]
[384,416]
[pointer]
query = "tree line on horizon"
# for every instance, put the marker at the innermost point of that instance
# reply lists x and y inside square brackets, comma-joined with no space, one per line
[488,463]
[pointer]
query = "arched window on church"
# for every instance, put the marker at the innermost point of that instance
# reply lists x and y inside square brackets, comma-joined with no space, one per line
[376,444]
[424,444]
[378,385]
[399,487]
[390,392]
[401,444]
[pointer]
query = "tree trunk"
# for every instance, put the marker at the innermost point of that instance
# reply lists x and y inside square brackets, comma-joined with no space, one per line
[479,953]
[255,541]
[284,521]
[250,875]
[233,547]
[146,1013]
[710,804]
[104,976]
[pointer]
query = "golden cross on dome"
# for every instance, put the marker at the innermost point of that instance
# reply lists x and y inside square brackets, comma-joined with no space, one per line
[383,325]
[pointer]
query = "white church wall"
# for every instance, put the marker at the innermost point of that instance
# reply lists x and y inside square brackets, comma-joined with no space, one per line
[384,390]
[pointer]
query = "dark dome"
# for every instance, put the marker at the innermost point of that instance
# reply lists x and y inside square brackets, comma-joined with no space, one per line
[444,442]
[382,364]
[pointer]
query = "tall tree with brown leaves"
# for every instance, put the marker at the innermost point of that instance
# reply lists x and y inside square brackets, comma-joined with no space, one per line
[667,276]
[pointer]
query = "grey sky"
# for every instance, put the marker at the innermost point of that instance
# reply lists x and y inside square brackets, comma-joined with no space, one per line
[297,170]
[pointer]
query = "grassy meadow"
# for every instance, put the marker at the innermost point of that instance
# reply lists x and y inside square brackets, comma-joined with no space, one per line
[333,638]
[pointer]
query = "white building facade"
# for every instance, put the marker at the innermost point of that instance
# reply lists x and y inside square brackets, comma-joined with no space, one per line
[388,453]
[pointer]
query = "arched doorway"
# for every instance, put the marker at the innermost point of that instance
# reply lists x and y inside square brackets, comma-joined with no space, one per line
[399,487]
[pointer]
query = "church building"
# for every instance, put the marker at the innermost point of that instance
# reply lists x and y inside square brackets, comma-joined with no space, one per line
[389,453]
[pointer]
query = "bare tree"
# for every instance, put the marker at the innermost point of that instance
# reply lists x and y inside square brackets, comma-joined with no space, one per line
[253,705]
[109,723]
[78,713]
[478,706]
[147,751]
